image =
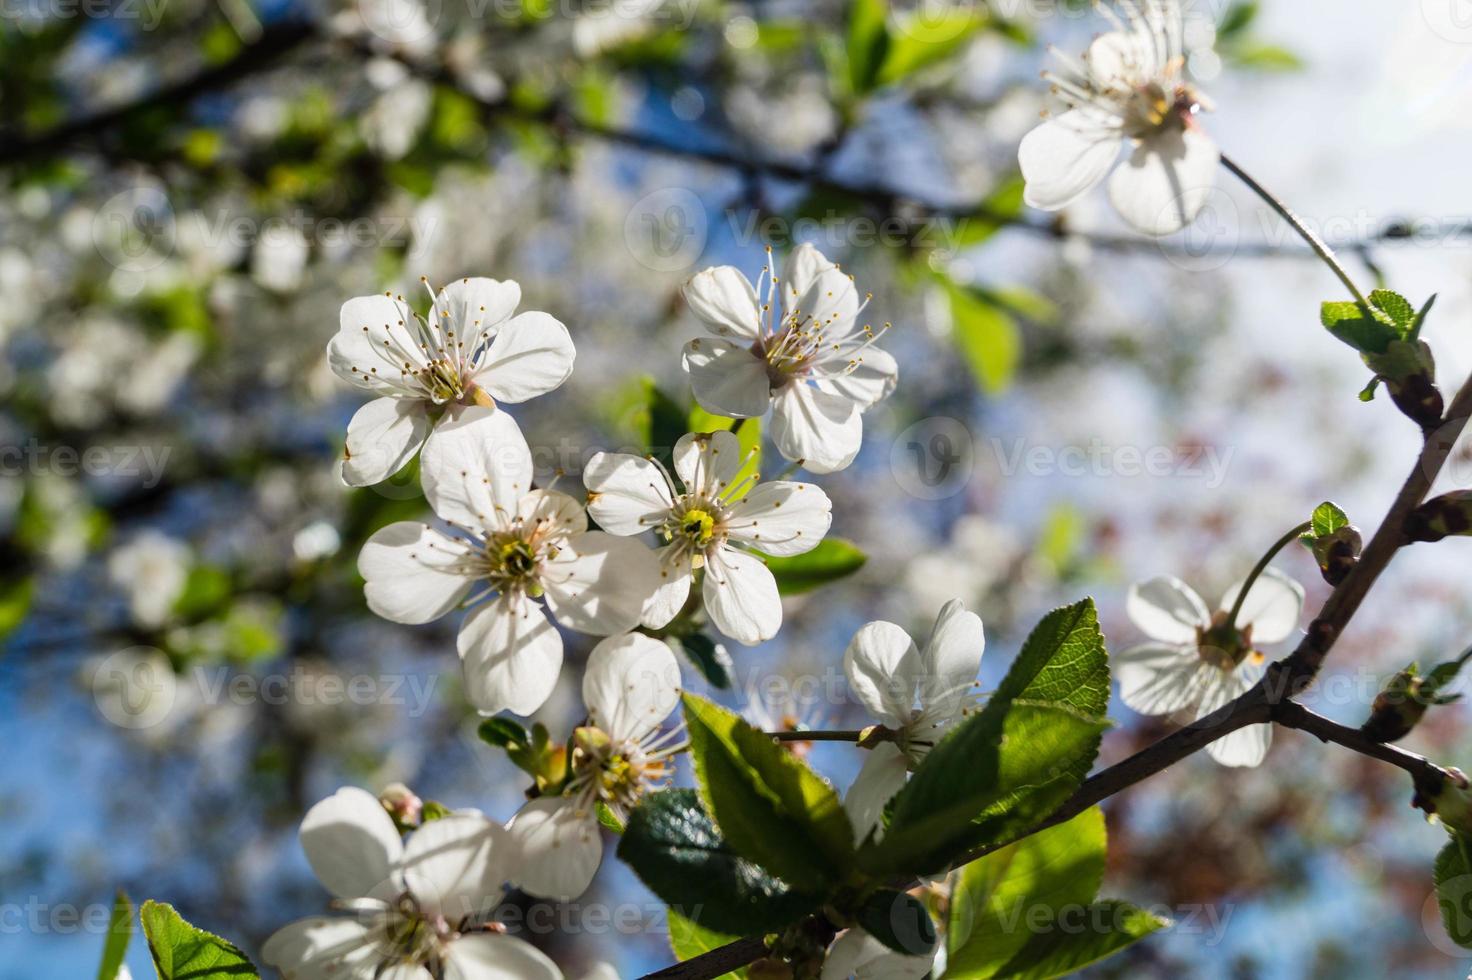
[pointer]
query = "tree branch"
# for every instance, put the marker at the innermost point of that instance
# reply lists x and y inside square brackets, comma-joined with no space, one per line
[1291,714]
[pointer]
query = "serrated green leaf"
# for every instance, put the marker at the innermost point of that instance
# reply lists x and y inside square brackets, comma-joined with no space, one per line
[709,658]
[676,850]
[1012,763]
[690,939]
[184,952]
[1087,936]
[768,804]
[987,336]
[1358,326]
[831,560]
[119,932]
[1395,306]
[1328,518]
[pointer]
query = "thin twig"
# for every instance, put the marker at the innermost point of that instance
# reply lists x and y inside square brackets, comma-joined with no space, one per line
[1291,714]
[853,735]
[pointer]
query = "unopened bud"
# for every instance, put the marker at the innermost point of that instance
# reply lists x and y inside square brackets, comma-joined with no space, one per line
[1337,552]
[406,809]
[1397,708]
[1440,517]
[1450,802]
[1410,375]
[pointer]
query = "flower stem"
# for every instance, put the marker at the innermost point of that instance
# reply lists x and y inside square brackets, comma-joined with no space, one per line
[1262,563]
[817,736]
[1320,247]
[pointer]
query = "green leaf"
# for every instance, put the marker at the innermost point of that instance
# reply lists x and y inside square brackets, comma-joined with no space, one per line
[748,437]
[206,590]
[183,952]
[1238,18]
[998,209]
[768,804]
[868,43]
[987,336]
[1328,518]
[503,733]
[709,658]
[15,603]
[1358,326]
[1263,56]
[1396,307]
[1028,909]
[1453,877]
[900,921]
[831,560]
[661,422]
[119,932]
[926,38]
[690,939]
[607,818]
[676,850]
[1015,761]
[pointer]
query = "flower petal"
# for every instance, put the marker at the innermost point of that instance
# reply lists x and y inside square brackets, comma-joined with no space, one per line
[858,954]
[741,597]
[510,654]
[382,436]
[782,517]
[1161,680]
[815,288]
[529,356]
[673,591]
[1246,747]
[950,660]
[351,844]
[727,379]
[631,685]
[599,584]
[869,375]
[406,971]
[476,307]
[475,469]
[366,350]
[725,301]
[883,669]
[626,494]
[707,461]
[1116,60]
[413,573]
[1273,607]
[1065,158]
[321,948]
[1166,609]
[557,514]
[882,776]
[820,428]
[487,956]
[457,866]
[1166,181]
[559,846]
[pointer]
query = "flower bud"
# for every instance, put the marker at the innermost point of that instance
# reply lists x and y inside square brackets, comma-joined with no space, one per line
[1409,372]
[1337,552]
[1397,708]
[1439,517]
[406,809]
[1450,803]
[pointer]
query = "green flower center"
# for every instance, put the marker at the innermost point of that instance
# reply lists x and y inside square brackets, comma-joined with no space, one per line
[516,559]
[698,525]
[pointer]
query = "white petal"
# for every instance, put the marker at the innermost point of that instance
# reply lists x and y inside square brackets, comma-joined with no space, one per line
[406,971]
[858,954]
[557,514]
[600,584]
[510,654]
[476,468]
[951,658]
[529,356]
[457,865]
[1065,158]
[1117,60]
[476,307]
[868,376]
[707,461]
[820,428]
[741,597]
[626,494]
[1273,607]
[805,265]
[410,572]
[782,517]
[351,844]
[724,299]
[357,352]
[486,956]
[816,288]
[1247,746]
[1166,181]
[382,436]
[631,685]
[1166,609]
[882,776]
[1161,680]
[883,667]
[320,948]
[673,591]
[727,379]
[559,846]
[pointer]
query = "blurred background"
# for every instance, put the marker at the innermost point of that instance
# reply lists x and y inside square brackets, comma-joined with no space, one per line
[191,189]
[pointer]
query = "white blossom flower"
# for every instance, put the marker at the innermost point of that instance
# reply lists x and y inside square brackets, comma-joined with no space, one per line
[152,568]
[280,258]
[809,362]
[631,686]
[710,525]
[1129,88]
[1198,661]
[858,954]
[469,351]
[514,542]
[917,695]
[415,909]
